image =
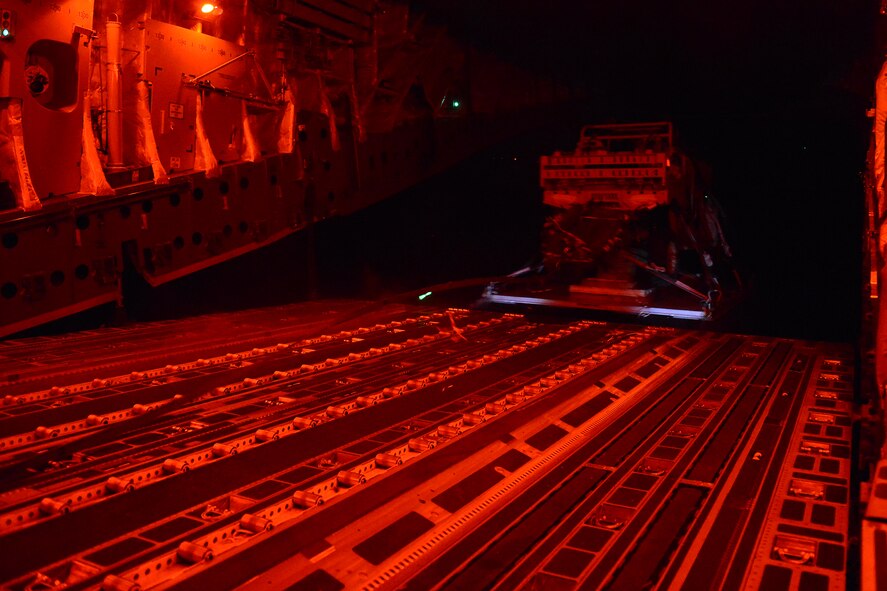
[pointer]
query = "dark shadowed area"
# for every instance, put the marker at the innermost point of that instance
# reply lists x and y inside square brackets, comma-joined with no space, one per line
[772,95]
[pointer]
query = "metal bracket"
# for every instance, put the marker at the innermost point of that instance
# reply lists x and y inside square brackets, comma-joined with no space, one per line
[200,84]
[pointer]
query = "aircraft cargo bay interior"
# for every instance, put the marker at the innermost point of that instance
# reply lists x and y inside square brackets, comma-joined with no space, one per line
[315,295]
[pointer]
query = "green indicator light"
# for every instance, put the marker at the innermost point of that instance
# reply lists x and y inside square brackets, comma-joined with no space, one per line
[424,295]
[5,32]
[456,104]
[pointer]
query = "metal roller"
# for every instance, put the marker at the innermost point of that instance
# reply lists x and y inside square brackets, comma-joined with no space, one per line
[336,411]
[46,432]
[221,450]
[473,418]
[514,398]
[115,484]
[115,583]
[191,553]
[172,466]
[494,408]
[255,524]
[384,460]
[300,423]
[266,435]
[448,431]
[306,500]
[350,478]
[49,506]
[421,444]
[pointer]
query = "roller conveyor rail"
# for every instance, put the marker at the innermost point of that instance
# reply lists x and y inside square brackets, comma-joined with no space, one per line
[431,449]
[231,423]
[111,399]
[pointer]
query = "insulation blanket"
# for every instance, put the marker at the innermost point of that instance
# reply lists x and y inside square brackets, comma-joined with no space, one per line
[13,162]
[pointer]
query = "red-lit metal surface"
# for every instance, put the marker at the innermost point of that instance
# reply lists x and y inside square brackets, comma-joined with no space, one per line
[380,101]
[331,449]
